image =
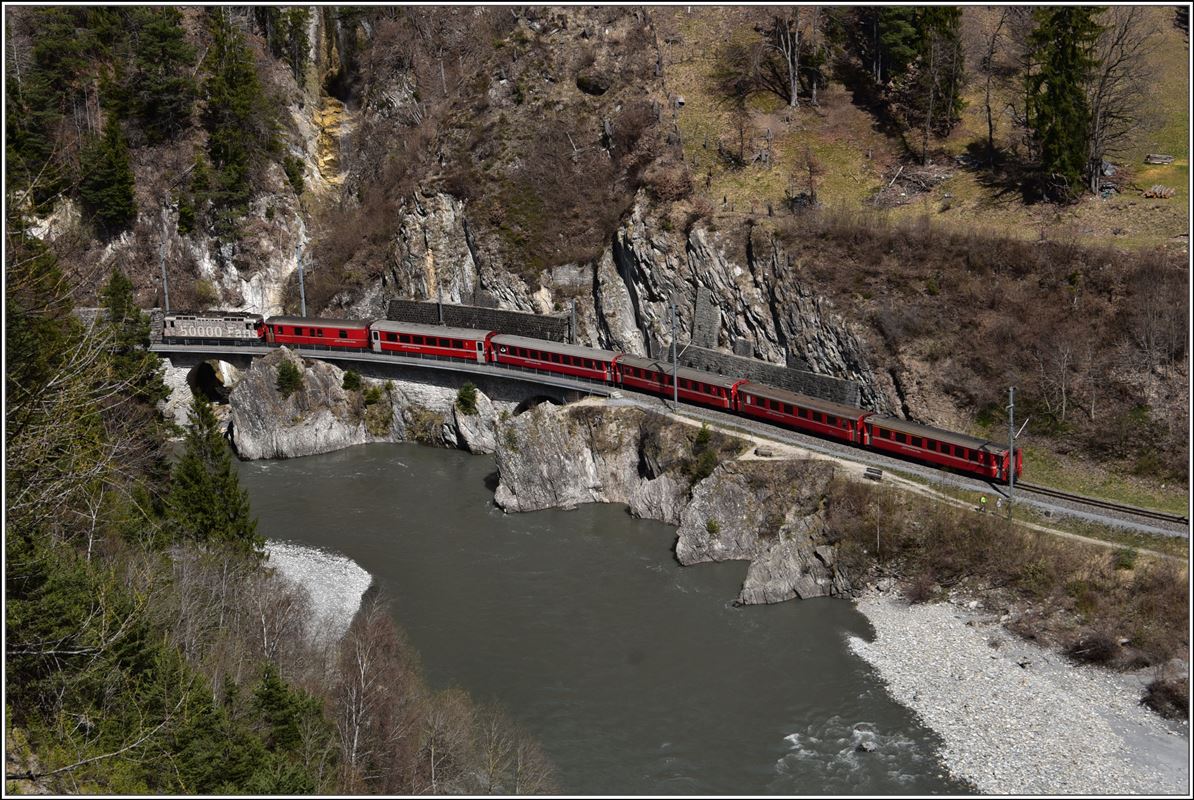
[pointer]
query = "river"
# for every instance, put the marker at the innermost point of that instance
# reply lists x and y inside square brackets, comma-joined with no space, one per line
[636,675]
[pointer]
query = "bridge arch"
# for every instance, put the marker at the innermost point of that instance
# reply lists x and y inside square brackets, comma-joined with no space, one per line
[207,381]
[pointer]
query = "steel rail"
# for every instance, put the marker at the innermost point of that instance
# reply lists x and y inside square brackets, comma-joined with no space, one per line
[592,386]
[1106,504]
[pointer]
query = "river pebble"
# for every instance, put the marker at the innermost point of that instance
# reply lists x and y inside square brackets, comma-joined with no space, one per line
[1016,718]
[335,583]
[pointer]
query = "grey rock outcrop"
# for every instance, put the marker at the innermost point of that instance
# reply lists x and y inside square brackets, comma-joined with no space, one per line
[561,457]
[760,306]
[318,417]
[770,513]
[322,416]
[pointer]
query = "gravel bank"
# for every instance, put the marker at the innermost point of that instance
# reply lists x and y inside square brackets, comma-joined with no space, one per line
[335,583]
[1016,718]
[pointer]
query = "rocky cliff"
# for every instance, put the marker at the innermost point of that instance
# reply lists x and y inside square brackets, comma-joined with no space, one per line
[728,506]
[321,415]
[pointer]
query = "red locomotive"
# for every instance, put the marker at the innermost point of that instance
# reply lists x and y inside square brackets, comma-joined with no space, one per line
[777,406]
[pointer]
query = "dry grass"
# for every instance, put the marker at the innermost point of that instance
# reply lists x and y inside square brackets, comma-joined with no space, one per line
[846,140]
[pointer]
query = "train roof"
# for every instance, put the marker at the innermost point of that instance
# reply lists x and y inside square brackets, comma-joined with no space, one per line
[555,347]
[211,315]
[802,400]
[397,326]
[329,322]
[929,432]
[711,378]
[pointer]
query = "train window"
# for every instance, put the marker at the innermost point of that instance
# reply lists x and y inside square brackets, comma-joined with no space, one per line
[298,331]
[456,343]
[787,409]
[391,337]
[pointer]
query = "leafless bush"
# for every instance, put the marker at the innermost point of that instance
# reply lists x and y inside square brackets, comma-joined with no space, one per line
[1095,648]
[1169,697]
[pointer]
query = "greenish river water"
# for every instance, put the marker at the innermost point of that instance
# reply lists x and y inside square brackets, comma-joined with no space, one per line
[636,675]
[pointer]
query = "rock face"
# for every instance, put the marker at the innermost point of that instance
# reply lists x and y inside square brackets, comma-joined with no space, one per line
[770,513]
[318,417]
[560,457]
[622,298]
[321,416]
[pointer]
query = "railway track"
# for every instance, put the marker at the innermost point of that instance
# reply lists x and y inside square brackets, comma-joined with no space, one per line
[1146,513]
[726,420]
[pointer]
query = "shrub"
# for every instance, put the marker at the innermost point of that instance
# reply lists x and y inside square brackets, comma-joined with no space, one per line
[289,377]
[1169,697]
[712,527]
[424,425]
[372,395]
[377,419]
[702,467]
[205,294]
[1125,558]
[466,399]
[921,589]
[702,440]
[1096,647]
[352,381]
[294,172]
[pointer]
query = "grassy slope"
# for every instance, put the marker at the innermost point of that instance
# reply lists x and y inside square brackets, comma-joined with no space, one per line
[840,136]
[853,156]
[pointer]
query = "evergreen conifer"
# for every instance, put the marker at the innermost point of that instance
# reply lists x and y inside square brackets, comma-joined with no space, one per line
[289,377]
[106,188]
[1064,41]
[163,89]
[206,501]
[130,357]
[238,127]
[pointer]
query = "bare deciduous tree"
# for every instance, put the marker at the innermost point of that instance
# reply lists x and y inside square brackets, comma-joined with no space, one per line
[1117,89]
[989,69]
[785,32]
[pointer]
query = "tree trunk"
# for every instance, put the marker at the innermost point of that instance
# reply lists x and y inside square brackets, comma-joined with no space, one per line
[924,149]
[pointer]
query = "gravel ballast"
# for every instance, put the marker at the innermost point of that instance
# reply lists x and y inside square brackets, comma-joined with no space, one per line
[1014,717]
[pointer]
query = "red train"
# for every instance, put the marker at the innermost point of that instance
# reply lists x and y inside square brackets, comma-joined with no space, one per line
[777,406]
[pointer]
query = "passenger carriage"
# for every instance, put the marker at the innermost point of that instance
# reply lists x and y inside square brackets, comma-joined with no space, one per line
[695,386]
[822,417]
[183,327]
[409,338]
[565,359]
[940,447]
[349,334]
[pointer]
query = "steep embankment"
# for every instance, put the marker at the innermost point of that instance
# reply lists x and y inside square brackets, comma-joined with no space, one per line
[770,513]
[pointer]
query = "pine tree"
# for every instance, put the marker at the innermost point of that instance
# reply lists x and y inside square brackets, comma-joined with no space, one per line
[206,501]
[163,89]
[239,129]
[106,188]
[289,377]
[130,357]
[1064,41]
[899,41]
